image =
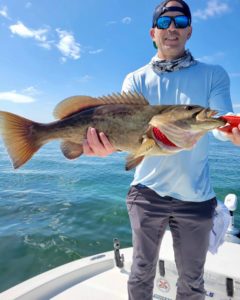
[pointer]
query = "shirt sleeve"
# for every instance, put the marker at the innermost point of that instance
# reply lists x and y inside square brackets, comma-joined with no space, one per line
[129,84]
[220,98]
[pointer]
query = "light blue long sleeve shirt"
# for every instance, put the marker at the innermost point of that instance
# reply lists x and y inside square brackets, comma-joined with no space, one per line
[185,175]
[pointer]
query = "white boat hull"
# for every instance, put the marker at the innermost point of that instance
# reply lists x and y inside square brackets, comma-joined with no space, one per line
[97,277]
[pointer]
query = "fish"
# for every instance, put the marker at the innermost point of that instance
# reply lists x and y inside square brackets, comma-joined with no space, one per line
[128,120]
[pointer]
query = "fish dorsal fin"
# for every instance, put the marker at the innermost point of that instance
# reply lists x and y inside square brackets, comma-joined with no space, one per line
[73,105]
[76,104]
[125,98]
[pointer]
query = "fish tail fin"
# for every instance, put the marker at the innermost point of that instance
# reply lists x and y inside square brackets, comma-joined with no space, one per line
[19,138]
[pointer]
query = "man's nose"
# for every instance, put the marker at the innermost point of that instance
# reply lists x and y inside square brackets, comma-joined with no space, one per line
[172,25]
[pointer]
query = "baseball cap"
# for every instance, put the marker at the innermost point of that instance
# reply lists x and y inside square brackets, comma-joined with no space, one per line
[161,9]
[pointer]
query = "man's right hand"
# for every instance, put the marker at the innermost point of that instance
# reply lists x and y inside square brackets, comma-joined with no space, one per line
[97,144]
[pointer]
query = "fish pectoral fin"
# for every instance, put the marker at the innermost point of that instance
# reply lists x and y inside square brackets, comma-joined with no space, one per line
[71,150]
[135,159]
[145,147]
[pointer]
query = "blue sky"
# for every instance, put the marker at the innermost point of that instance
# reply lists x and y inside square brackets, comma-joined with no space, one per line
[53,49]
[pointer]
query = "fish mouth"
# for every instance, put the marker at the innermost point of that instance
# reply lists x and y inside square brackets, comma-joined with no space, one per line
[211,113]
[205,114]
[207,117]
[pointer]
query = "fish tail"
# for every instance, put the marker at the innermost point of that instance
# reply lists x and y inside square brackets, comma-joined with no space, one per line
[19,137]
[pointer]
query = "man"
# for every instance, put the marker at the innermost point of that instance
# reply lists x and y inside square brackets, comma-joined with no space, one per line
[174,190]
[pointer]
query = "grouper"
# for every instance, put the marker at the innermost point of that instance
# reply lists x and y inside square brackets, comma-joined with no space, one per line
[128,120]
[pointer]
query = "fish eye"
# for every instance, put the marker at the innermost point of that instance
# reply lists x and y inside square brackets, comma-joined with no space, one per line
[189,107]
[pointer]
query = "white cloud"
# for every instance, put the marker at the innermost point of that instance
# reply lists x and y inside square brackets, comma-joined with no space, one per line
[40,35]
[67,45]
[85,78]
[126,20]
[46,45]
[234,75]
[64,41]
[28,5]
[214,8]
[31,91]
[212,58]
[15,97]
[95,51]
[62,60]
[111,23]
[4,12]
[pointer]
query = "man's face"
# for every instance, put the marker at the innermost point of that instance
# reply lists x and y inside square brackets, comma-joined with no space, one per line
[171,41]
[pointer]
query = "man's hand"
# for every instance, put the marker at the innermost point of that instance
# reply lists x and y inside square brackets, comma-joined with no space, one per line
[97,144]
[234,137]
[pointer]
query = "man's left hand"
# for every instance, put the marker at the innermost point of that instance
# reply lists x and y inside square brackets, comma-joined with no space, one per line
[234,137]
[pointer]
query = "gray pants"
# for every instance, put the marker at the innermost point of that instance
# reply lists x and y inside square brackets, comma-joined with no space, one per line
[190,224]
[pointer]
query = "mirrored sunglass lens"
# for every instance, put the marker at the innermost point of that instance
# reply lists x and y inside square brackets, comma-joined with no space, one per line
[163,22]
[181,21]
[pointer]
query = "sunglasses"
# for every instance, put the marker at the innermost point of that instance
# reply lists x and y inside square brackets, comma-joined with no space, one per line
[179,21]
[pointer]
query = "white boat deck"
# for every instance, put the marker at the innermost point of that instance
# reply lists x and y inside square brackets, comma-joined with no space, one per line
[97,277]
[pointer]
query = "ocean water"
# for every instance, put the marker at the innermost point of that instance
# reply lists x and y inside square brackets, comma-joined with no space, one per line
[53,210]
